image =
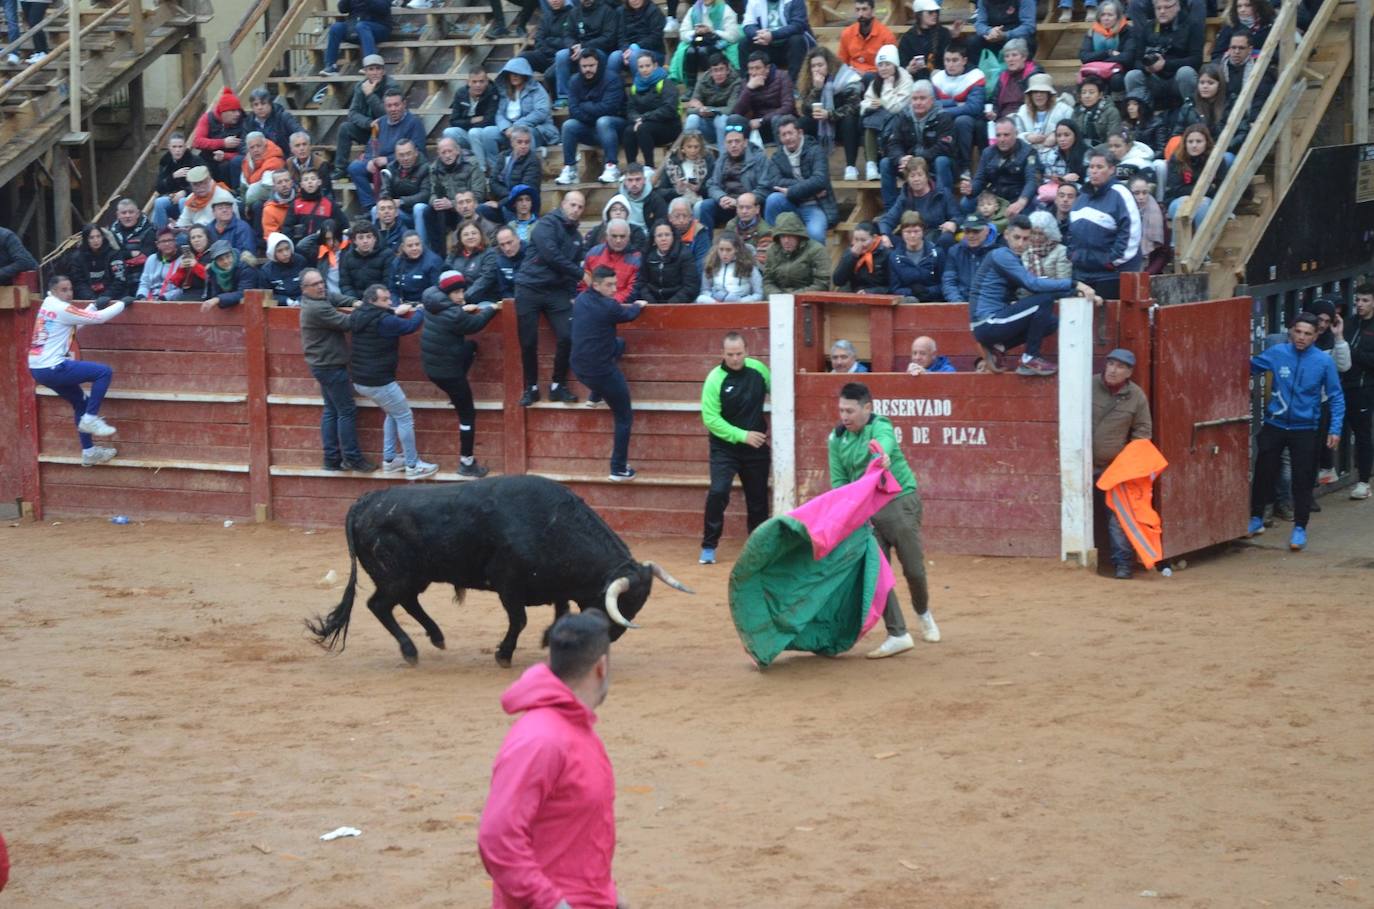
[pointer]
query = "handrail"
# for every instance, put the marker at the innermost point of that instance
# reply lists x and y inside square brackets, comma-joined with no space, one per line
[1194,245]
[19,78]
[241,31]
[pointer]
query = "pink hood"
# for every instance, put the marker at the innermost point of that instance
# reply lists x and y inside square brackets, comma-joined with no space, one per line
[548,828]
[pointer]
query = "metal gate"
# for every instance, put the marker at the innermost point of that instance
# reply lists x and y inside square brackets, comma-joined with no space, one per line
[1200,400]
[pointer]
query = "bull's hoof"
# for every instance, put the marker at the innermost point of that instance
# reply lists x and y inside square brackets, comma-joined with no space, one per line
[503,661]
[410,655]
[437,641]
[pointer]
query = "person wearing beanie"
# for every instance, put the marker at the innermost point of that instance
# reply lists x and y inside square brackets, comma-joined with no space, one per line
[519,207]
[446,355]
[226,277]
[51,365]
[281,273]
[888,95]
[218,137]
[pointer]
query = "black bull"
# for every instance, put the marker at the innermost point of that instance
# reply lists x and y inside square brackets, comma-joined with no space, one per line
[528,539]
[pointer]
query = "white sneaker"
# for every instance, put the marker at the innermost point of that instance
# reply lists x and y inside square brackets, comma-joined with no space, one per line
[92,424]
[421,470]
[610,175]
[891,647]
[12,59]
[1360,491]
[851,173]
[35,57]
[871,171]
[671,25]
[394,466]
[648,174]
[420,4]
[96,455]
[930,632]
[1326,476]
[567,176]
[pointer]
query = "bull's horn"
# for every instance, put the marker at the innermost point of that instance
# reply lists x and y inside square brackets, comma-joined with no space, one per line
[613,592]
[668,579]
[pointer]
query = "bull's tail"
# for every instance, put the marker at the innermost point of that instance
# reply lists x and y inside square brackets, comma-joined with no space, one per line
[332,630]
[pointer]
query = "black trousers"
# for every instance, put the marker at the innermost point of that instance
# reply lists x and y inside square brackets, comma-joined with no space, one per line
[1359,419]
[1302,455]
[849,130]
[343,151]
[646,137]
[460,395]
[557,309]
[752,466]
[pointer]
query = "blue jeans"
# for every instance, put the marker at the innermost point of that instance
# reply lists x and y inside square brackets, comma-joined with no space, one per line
[165,211]
[606,133]
[1197,215]
[614,65]
[12,29]
[713,128]
[615,391]
[339,421]
[66,379]
[944,179]
[362,182]
[811,213]
[420,220]
[487,143]
[364,34]
[399,420]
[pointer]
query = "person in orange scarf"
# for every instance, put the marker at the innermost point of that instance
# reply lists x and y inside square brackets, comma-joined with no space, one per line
[262,158]
[863,267]
[1121,414]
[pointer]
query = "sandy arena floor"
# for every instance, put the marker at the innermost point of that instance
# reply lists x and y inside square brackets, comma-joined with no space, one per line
[169,737]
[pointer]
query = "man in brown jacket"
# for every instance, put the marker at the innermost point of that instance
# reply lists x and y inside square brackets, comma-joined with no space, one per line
[1121,414]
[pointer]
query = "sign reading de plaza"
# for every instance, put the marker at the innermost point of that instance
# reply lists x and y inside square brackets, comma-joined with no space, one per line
[927,407]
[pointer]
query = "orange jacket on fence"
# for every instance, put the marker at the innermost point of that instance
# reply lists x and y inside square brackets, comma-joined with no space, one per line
[1128,483]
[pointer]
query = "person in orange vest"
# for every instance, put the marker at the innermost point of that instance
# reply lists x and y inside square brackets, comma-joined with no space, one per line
[1121,414]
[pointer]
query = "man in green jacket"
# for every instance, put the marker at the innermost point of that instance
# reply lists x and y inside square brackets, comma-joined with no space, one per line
[732,409]
[796,263]
[898,524]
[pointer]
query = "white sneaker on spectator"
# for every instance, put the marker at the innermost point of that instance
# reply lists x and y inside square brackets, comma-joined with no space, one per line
[420,4]
[611,174]
[394,466]
[12,59]
[95,426]
[36,57]
[930,632]
[892,646]
[671,25]
[851,172]
[567,176]
[648,174]
[1326,476]
[1360,491]
[421,470]
[871,171]
[96,455]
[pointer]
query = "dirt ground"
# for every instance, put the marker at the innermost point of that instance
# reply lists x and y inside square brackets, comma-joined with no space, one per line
[170,738]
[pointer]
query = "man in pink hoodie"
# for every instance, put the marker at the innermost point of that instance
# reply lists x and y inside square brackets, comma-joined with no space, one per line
[548,830]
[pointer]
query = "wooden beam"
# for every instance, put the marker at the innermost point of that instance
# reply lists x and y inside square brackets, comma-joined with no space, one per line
[1363,13]
[271,54]
[138,33]
[1283,162]
[226,62]
[74,59]
[61,194]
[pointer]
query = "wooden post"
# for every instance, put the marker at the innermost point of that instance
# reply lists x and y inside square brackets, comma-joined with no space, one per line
[1363,12]
[259,437]
[61,193]
[513,424]
[782,364]
[138,35]
[74,61]
[226,63]
[1283,164]
[189,52]
[15,333]
[1076,431]
[90,197]
[138,119]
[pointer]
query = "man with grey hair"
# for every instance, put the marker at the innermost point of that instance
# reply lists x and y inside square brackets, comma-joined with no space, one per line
[325,325]
[301,158]
[261,157]
[1104,228]
[617,255]
[844,358]
[922,131]
[689,230]
[926,358]
[449,175]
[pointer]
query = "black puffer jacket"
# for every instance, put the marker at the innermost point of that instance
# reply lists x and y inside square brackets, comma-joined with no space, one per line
[357,272]
[376,343]
[553,260]
[444,352]
[135,244]
[96,272]
[670,277]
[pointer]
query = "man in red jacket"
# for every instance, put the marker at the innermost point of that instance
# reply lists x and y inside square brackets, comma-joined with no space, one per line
[548,829]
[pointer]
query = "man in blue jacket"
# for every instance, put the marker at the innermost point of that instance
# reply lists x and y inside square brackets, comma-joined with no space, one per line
[965,258]
[596,312]
[596,115]
[1302,374]
[544,284]
[1104,228]
[1011,169]
[397,124]
[1000,321]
